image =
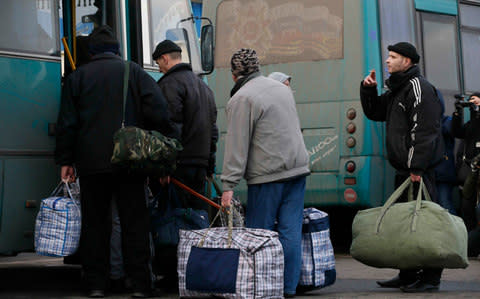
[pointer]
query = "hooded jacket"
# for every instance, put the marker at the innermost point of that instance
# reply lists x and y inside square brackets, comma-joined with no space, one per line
[413,116]
[91,110]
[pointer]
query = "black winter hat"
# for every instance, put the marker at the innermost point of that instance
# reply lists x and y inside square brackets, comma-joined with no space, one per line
[476,94]
[103,40]
[167,46]
[405,49]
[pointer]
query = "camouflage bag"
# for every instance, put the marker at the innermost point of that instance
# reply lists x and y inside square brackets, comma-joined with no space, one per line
[146,151]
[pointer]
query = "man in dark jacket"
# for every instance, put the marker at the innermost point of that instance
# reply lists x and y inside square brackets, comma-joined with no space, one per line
[91,111]
[193,110]
[470,133]
[192,107]
[412,112]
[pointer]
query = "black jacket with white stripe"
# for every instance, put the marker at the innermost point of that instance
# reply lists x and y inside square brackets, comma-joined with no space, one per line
[413,116]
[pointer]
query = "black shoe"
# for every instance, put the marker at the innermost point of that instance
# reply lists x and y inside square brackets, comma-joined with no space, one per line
[395,282]
[167,284]
[148,294]
[96,294]
[286,295]
[119,285]
[420,287]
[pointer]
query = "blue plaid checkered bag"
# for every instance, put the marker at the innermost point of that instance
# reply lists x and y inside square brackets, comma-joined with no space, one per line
[230,262]
[318,260]
[58,224]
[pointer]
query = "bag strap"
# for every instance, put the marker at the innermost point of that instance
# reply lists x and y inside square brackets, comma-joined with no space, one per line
[230,227]
[126,74]
[396,195]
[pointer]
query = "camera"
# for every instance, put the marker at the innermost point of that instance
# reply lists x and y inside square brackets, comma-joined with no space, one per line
[465,104]
[461,101]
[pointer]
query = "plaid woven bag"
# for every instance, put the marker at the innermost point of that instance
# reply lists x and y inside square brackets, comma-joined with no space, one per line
[318,260]
[58,224]
[230,262]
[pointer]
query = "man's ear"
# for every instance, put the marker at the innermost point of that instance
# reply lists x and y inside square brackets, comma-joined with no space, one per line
[407,62]
[234,78]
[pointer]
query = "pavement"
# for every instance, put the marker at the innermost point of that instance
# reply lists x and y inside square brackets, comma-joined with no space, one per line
[31,276]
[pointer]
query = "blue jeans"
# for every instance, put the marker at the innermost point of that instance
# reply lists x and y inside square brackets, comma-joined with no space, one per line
[444,197]
[279,207]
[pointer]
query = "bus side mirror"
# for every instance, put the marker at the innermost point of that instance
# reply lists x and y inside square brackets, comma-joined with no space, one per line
[206,46]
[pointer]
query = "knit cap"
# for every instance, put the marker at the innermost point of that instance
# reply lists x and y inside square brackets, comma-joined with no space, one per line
[281,77]
[103,40]
[244,62]
[405,49]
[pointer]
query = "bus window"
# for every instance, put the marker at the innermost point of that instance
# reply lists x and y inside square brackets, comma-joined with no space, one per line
[470,31]
[396,19]
[165,19]
[33,27]
[280,31]
[440,55]
[92,14]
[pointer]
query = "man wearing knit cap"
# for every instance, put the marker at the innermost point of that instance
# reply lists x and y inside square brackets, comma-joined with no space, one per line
[412,112]
[91,110]
[264,145]
[193,110]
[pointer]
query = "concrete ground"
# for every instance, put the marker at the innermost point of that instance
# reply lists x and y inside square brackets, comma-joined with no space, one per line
[31,276]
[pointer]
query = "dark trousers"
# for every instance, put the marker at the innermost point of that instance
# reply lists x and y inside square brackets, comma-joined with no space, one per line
[428,275]
[195,178]
[96,196]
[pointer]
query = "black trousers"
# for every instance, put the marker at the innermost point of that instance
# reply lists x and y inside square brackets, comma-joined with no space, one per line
[428,275]
[195,178]
[97,192]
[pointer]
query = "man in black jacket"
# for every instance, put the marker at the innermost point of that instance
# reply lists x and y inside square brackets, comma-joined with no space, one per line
[91,111]
[192,107]
[412,112]
[193,110]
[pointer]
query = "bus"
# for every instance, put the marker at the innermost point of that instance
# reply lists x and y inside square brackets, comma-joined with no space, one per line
[328,47]
[33,63]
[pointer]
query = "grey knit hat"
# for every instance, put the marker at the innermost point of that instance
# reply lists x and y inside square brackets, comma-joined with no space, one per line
[281,77]
[244,62]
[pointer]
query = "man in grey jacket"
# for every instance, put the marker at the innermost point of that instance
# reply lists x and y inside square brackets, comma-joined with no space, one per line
[264,145]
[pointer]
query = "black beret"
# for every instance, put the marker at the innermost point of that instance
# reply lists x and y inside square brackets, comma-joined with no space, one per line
[167,46]
[405,49]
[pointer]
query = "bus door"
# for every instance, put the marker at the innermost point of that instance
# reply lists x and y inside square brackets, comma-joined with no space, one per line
[30,71]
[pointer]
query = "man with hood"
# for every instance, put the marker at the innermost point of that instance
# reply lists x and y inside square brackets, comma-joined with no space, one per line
[91,110]
[412,112]
[264,145]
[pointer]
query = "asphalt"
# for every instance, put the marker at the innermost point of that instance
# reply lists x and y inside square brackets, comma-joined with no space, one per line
[31,276]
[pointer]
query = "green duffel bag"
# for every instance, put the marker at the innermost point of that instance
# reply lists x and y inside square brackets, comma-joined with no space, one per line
[412,235]
[144,151]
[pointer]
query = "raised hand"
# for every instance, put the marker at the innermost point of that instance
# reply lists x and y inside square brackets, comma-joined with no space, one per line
[370,80]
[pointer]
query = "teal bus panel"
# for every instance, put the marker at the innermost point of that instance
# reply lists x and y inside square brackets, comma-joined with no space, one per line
[24,179]
[438,6]
[29,101]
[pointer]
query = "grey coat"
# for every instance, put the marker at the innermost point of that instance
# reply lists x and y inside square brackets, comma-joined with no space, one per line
[264,142]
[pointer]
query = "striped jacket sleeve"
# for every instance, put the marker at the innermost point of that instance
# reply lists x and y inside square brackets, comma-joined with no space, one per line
[425,125]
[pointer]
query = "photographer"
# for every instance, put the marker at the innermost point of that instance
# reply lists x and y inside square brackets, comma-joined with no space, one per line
[470,132]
